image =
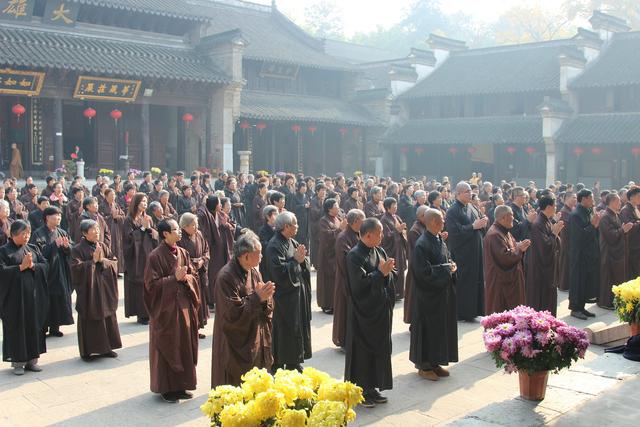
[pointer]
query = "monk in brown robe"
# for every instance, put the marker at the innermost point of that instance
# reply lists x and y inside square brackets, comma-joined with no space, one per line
[414,234]
[570,201]
[631,214]
[5,222]
[94,275]
[139,239]
[345,241]
[503,270]
[372,208]
[171,299]
[394,241]
[90,211]
[114,217]
[541,287]
[73,211]
[328,229]
[15,167]
[613,250]
[244,311]
[198,248]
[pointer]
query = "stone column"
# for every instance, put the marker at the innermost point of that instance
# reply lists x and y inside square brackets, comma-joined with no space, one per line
[550,150]
[224,105]
[58,145]
[146,142]
[244,161]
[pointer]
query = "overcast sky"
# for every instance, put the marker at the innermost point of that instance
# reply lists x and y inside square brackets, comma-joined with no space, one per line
[365,15]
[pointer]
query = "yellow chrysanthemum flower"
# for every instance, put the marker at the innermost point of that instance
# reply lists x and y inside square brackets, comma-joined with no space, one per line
[256,381]
[317,377]
[267,404]
[328,414]
[292,418]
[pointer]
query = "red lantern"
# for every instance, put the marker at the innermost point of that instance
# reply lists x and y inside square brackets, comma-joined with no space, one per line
[18,110]
[419,150]
[312,129]
[116,115]
[596,151]
[343,131]
[472,150]
[578,151]
[261,126]
[511,150]
[635,151]
[89,113]
[244,125]
[296,128]
[404,150]
[530,150]
[453,150]
[187,118]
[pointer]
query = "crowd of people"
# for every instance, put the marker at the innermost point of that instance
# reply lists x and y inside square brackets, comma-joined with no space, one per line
[245,246]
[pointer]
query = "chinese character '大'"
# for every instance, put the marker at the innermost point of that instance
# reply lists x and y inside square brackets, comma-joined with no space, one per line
[17,8]
[61,14]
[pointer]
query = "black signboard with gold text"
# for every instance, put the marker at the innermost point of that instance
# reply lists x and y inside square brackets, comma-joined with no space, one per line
[61,12]
[15,82]
[17,10]
[278,71]
[104,89]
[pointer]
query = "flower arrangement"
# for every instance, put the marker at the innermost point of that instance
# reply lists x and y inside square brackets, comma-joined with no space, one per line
[156,170]
[286,399]
[262,173]
[357,173]
[204,170]
[626,300]
[524,339]
[107,172]
[135,172]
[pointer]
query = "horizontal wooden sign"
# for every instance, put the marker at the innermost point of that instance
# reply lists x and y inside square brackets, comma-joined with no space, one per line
[21,82]
[105,89]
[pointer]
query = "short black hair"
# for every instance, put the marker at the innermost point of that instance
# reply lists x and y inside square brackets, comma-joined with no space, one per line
[51,210]
[75,190]
[328,205]
[583,194]
[388,202]
[546,200]
[369,225]
[212,203]
[42,199]
[632,192]
[275,197]
[164,226]
[433,195]
[87,201]
[18,226]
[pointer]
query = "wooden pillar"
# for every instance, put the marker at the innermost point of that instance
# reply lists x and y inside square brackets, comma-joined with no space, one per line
[146,142]
[58,145]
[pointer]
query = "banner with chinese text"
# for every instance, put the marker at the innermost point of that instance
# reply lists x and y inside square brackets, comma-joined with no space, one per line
[17,10]
[15,82]
[104,89]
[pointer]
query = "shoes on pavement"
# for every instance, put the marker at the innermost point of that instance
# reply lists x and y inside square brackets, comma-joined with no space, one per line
[18,370]
[169,397]
[592,300]
[202,336]
[377,397]
[183,394]
[55,333]
[368,403]
[579,315]
[428,375]
[143,321]
[440,371]
[112,354]
[588,313]
[33,367]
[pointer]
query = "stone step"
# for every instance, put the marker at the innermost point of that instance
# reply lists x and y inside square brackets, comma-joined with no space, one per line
[608,335]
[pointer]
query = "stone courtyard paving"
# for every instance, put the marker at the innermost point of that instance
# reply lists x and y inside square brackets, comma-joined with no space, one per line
[70,392]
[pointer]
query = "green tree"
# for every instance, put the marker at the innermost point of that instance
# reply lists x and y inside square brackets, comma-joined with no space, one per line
[323,19]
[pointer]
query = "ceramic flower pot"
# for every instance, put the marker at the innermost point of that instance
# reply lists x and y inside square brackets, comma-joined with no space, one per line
[533,386]
[635,328]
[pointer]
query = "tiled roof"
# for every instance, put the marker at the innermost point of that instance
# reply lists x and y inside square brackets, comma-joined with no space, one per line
[290,107]
[170,8]
[476,130]
[611,128]
[270,35]
[357,53]
[617,65]
[505,69]
[42,49]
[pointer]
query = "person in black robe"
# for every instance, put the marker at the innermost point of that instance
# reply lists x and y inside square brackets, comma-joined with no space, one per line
[301,205]
[584,256]
[55,245]
[288,267]
[315,213]
[238,214]
[94,272]
[631,214]
[371,299]
[266,232]
[465,230]
[36,219]
[186,202]
[24,302]
[434,332]
[522,219]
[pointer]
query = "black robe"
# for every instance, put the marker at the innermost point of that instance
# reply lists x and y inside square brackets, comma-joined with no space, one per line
[238,214]
[302,215]
[465,245]
[292,302]
[24,304]
[540,285]
[630,213]
[369,319]
[265,234]
[584,258]
[58,274]
[434,331]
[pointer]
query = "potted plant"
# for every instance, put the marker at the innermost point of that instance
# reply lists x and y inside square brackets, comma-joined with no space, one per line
[626,300]
[532,343]
[286,399]
[156,171]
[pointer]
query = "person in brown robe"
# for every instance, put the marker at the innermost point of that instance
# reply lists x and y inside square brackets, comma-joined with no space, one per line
[613,250]
[114,217]
[139,239]
[372,208]
[94,276]
[195,244]
[17,208]
[315,213]
[345,241]
[631,214]
[563,268]
[503,269]
[171,299]
[168,210]
[329,227]
[90,211]
[257,205]
[73,211]
[5,222]
[541,287]
[414,234]
[15,167]
[244,312]
[394,242]
[207,223]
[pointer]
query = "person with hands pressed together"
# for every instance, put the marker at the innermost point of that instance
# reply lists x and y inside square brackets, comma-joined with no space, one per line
[244,311]
[328,229]
[171,299]
[503,267]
